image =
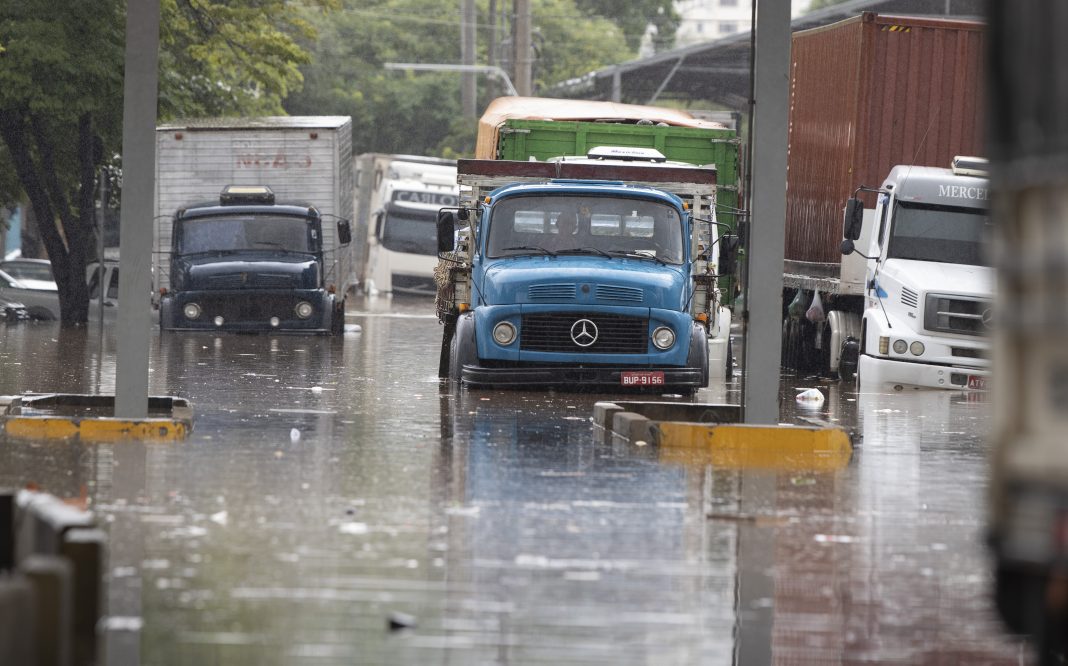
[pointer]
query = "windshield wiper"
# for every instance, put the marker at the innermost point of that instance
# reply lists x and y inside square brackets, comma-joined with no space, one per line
[585,250]
[639,254]
[529,247]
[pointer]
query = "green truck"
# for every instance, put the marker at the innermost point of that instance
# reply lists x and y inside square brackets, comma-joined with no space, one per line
[522,128]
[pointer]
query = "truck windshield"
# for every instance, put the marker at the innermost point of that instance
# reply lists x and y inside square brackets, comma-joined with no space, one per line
[409,230]
[235,233]
[598,225]
[945,234]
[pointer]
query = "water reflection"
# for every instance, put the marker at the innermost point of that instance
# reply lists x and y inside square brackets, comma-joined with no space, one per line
[326,486]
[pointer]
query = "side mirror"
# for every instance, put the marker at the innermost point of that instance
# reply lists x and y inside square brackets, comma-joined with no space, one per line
[344,232]
[446,231]
[848,247]
[854,218]
[728,254]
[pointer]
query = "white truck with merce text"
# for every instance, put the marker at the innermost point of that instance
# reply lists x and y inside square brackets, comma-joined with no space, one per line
[928,286]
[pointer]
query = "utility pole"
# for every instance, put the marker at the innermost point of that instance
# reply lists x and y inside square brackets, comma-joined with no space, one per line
[524,82]
[140,85]
[468,90]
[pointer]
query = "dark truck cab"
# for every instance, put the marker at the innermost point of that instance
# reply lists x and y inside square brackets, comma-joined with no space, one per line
[247,264]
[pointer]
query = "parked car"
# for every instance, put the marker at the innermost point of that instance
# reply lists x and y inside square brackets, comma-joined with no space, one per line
[32,273]
[40,303]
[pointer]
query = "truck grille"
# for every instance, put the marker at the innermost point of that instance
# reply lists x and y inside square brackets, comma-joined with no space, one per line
[960,315]
[616,334]
[252,280]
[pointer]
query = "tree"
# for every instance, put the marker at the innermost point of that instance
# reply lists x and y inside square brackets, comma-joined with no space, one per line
[419,112]
[61,98]
[820,4]
[636,16]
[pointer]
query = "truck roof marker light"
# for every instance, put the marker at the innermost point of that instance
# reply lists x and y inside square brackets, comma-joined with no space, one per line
[487,199]
[331,289]
[463,307]
[162,291]
[246,194]
[702,317]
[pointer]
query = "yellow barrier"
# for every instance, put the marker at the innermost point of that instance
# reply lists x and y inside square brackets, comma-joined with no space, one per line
[739,446]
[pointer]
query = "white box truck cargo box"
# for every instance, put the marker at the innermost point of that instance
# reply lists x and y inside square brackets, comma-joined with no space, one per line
[307,159]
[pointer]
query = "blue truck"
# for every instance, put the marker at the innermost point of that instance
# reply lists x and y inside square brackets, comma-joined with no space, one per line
[596,271]
[246,263]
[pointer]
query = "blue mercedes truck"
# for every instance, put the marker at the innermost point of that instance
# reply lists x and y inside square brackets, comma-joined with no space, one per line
[247,263]
[597,271]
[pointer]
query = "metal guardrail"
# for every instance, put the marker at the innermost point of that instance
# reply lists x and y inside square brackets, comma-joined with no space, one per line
[51,567]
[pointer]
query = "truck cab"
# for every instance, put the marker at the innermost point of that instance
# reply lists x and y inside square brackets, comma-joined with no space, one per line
[928,282]
[575,281]
[245,263]
[401,247]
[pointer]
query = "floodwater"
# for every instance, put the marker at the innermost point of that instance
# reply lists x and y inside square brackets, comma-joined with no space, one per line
[330,487]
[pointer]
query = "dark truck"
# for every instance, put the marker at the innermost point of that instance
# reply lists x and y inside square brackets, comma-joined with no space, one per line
[246,263]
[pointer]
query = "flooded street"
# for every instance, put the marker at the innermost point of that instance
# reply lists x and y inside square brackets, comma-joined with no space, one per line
[329,487]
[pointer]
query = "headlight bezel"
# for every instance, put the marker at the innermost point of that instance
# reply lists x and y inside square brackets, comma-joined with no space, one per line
[663,338]
[509,331]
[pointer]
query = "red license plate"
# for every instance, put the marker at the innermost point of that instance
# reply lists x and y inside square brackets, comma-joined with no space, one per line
[642,378]
[977,382]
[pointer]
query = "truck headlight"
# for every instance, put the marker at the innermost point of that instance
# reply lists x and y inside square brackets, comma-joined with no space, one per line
[191,311]
[663,338]
[917,348]
[304,309]
[504,333]
[900,346]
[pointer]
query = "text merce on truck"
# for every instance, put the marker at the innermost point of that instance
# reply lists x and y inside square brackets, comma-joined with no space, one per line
[247,263]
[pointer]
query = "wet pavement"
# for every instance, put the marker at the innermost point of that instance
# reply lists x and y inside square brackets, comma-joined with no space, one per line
[331,486]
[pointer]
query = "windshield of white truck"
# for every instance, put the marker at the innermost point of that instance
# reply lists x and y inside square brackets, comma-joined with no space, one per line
[238,233]
[944,234]
[410,230]
[582,224]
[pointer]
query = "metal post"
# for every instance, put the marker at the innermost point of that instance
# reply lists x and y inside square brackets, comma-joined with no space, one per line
[766,249]
[135,230]
[468,89]
[524,81]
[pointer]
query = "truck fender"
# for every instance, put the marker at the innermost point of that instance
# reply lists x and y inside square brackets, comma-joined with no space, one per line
[698,354]
[463,350]
[844,325]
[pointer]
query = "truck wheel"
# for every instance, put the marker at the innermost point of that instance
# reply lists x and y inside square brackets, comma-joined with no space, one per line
[848,360]
[729,371]
[446,346]
[462,350]
[337,322]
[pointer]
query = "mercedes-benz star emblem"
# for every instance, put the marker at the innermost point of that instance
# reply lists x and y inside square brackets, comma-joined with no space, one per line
[988,318]
[584,332]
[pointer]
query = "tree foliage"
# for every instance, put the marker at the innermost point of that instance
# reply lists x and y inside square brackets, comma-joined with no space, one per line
[61,98]
[419,112]
[635,16]
[820,4]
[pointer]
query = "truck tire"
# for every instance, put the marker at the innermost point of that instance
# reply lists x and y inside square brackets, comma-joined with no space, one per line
[462,350]
[446,346]
[337,321]
[729,370]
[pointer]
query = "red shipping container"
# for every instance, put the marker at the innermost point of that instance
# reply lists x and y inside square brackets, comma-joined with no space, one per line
[867,94]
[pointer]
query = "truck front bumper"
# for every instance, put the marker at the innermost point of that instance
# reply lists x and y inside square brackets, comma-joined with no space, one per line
[570,376]
[878,372]
[247,311]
